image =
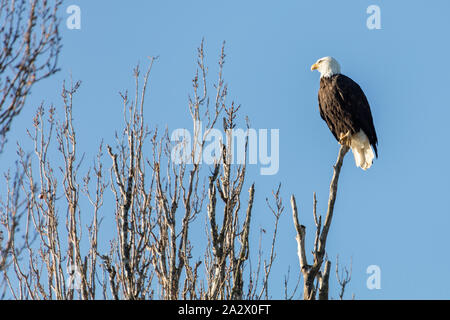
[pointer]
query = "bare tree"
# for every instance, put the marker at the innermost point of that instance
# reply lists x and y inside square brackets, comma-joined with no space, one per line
[315,280]
[156,202]
[30,45]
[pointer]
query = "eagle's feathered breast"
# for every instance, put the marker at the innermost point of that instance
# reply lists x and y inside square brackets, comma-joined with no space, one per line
[344,107]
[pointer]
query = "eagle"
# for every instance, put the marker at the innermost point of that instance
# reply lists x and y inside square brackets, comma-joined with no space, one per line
[344,107]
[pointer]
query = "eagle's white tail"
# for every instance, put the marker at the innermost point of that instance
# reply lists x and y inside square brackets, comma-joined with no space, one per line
[362,151]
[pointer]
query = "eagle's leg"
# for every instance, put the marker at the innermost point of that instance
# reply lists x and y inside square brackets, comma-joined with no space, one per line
[344,139]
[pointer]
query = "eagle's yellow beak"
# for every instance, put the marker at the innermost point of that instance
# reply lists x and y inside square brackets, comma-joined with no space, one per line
[315,66]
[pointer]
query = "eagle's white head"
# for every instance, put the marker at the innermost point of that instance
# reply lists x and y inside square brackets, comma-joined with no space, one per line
[327,66]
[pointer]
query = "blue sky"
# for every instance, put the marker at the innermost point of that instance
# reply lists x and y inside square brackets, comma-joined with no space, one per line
[395,215]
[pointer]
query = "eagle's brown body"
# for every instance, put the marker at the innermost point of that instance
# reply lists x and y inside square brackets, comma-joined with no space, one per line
[345,109]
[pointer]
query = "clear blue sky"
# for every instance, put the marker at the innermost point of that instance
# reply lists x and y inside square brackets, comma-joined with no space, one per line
[395,215]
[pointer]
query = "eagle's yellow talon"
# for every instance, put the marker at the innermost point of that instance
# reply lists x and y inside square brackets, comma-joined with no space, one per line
[344,139]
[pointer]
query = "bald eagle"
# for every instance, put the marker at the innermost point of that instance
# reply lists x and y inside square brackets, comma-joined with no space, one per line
[344,107]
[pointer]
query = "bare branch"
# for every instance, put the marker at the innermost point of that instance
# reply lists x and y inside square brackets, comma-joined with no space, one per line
[344,278]
[30,41]
[311,273]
